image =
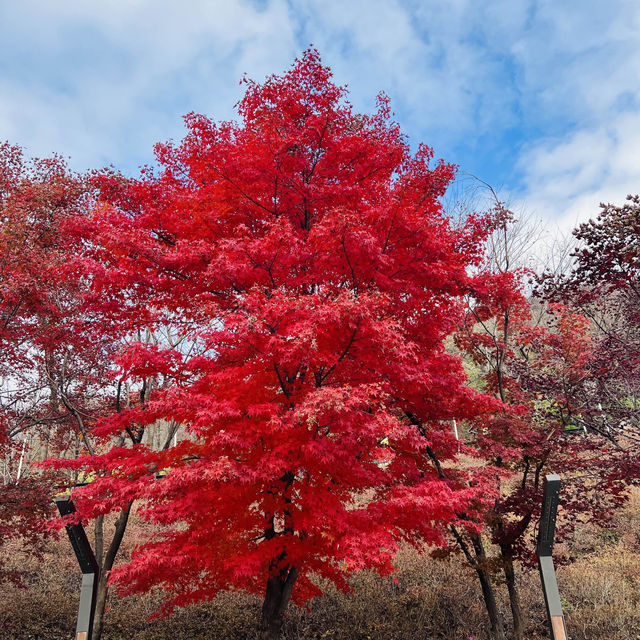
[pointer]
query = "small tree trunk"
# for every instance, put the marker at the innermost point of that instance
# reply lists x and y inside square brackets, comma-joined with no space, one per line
[478,560]
[106,566]
[514,595]
[275,603]
[488,593]
[101,604]
[98,539]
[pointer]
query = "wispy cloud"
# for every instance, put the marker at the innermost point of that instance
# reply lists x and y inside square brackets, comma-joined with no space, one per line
[581,85]
[539,98]
[103,81]
[565,180]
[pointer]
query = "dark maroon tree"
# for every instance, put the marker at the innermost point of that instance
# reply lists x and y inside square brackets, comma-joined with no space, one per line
[605,286]
[538,361]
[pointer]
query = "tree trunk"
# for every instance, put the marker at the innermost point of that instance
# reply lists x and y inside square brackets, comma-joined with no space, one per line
[101,604]
[98,539]
[478,560]
[105,567]
[514,595]
[488,593]
[276,599]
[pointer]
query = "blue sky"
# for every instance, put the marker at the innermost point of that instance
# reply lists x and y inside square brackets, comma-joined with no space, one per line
[539,99]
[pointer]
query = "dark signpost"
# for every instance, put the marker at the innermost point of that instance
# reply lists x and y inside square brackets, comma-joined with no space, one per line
[544,549]
[89,568]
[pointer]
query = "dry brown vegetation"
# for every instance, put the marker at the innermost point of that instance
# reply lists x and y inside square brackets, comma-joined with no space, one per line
[431,599]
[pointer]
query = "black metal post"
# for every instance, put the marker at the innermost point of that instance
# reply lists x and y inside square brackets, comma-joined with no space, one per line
[88,566]
[544,550]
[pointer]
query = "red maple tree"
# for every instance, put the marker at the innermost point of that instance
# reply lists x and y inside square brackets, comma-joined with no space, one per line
[305,253]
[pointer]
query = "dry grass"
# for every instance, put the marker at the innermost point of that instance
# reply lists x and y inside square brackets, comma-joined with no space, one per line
[431,599]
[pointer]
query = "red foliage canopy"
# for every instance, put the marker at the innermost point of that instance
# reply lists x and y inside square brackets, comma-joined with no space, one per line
[305,251]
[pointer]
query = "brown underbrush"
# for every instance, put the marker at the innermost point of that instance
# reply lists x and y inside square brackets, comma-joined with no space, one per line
[426,598]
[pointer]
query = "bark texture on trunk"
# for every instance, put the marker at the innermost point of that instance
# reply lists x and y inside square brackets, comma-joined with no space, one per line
[98,539]
[275,603]
[514,594]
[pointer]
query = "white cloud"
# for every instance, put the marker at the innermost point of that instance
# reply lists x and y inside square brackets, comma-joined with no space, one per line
[103,81]
[566,180]
[552,89]
[127,69]
[580,82]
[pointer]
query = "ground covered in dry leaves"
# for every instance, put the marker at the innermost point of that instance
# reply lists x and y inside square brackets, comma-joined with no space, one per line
[431,599]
